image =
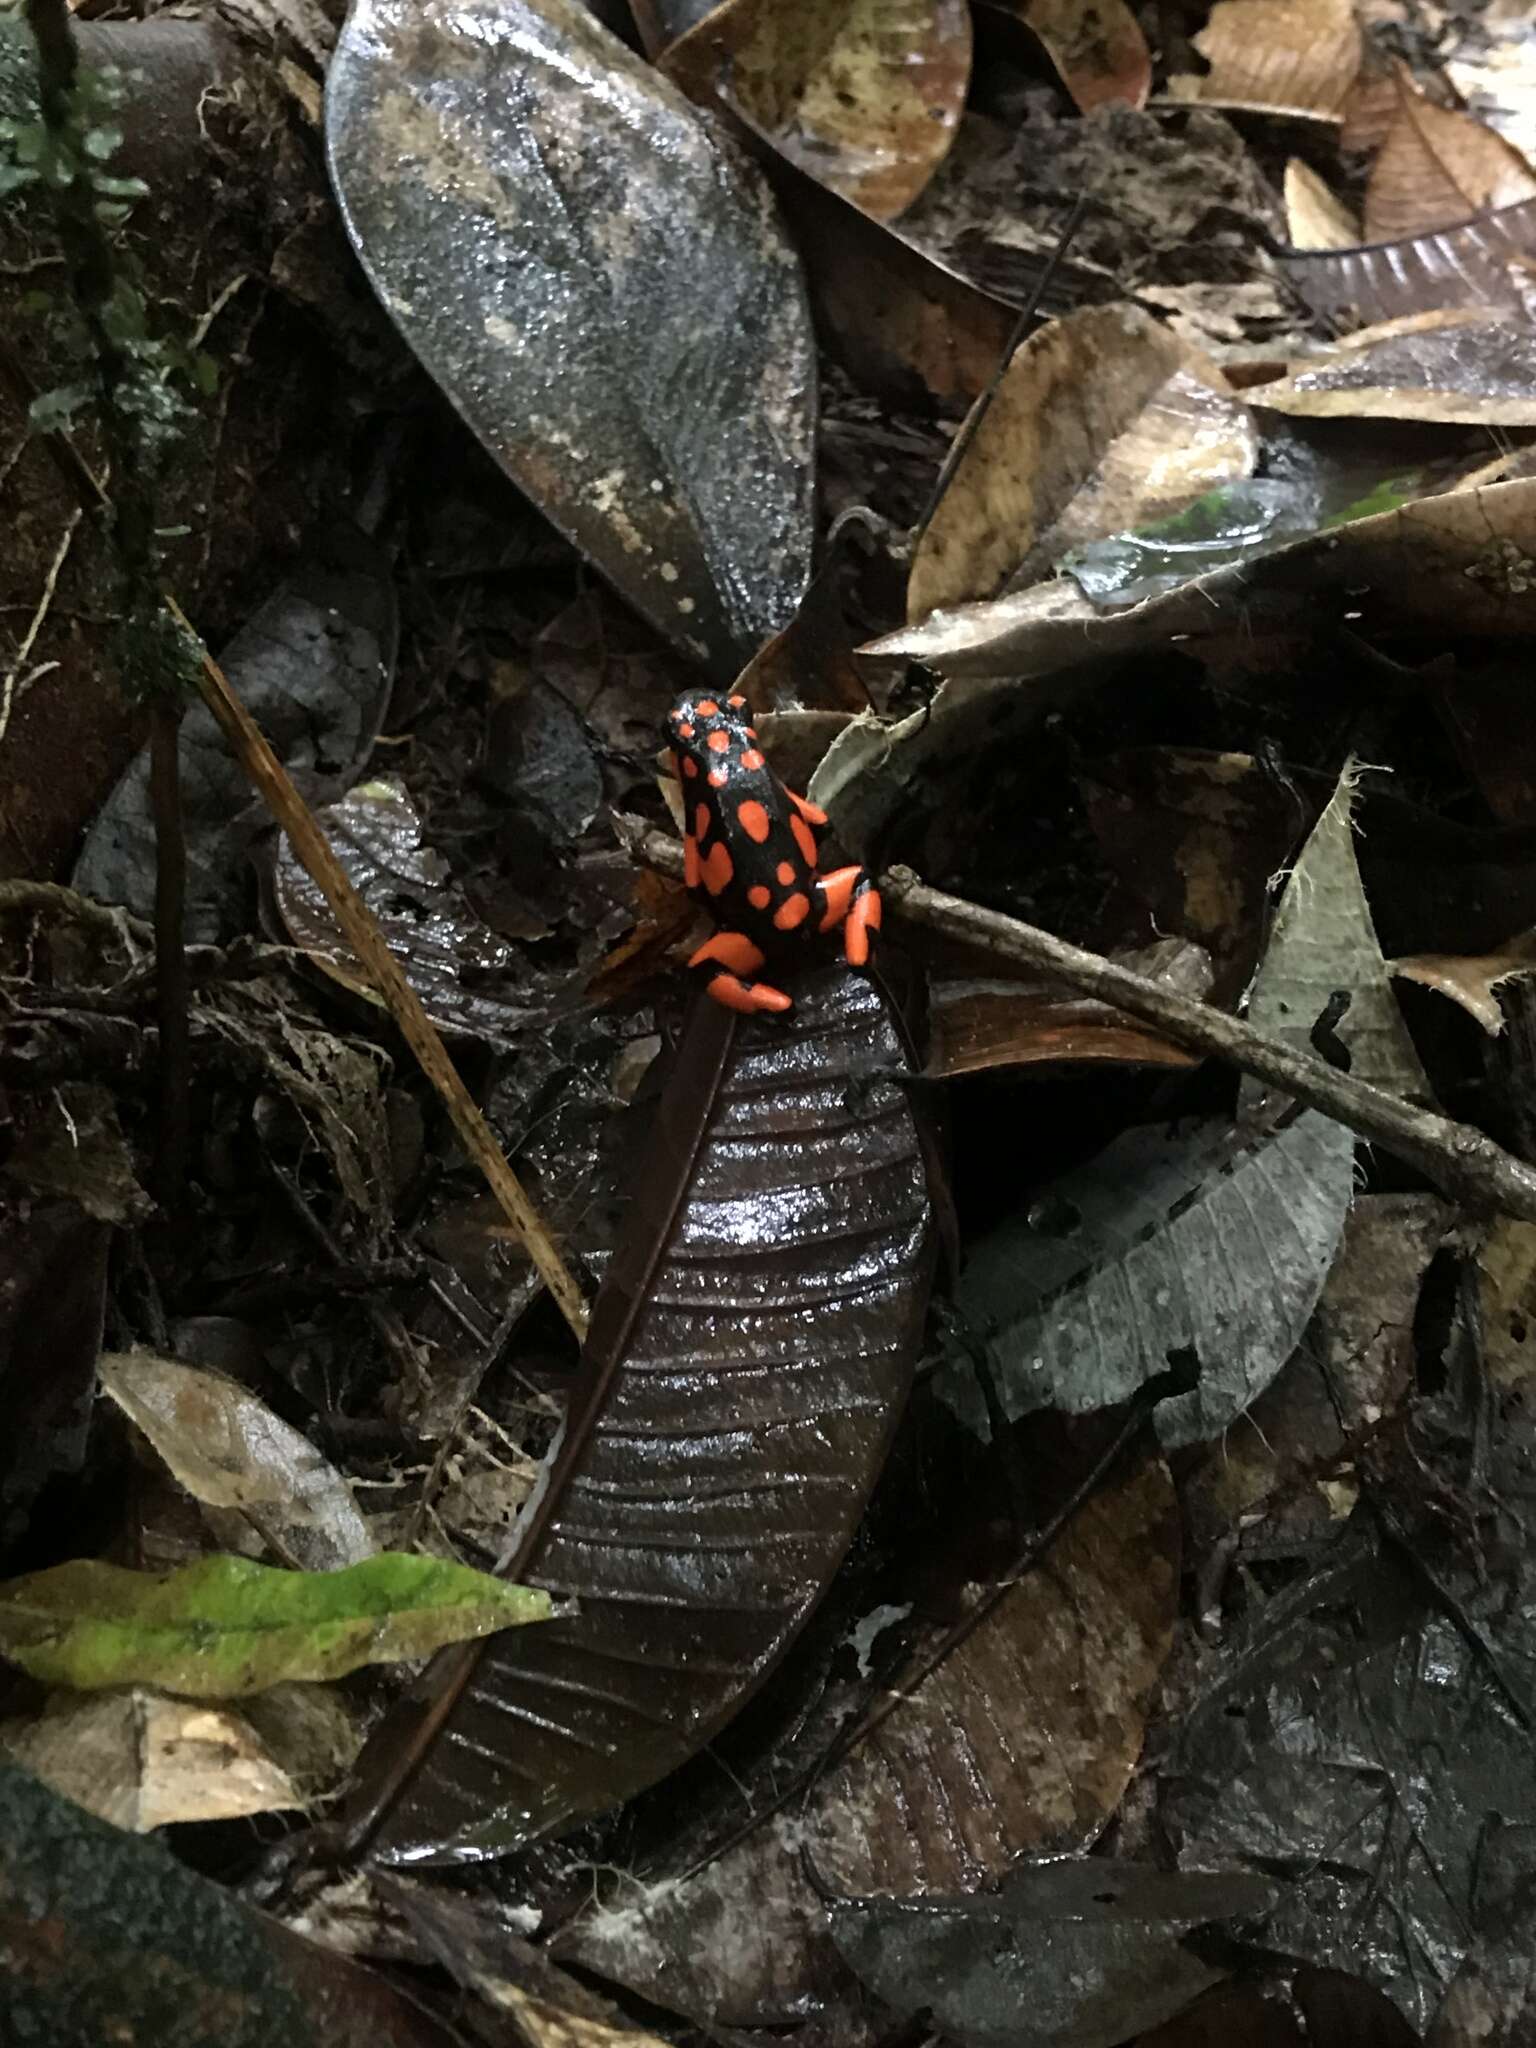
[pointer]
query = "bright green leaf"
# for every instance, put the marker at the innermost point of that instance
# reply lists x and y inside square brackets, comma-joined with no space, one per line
[225,1626]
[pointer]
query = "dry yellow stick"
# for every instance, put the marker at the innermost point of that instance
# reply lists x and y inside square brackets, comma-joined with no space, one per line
[384,971]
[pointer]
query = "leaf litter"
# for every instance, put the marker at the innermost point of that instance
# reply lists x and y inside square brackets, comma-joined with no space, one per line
[1205,548]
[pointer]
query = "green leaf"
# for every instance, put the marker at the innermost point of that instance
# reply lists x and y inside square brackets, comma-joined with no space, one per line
[225,1626]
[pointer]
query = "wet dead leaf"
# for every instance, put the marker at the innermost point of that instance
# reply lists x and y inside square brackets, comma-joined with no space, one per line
[603,291]
[231,1452]
[1103,420]
[1437,168]
[1186,1243]
[1322,946]
[1296,57]
[863,95]
[463,972]
[975,1027]
[1315,217]
[1473,980]
[143,1760]
[1470,366]
[1083,1954]
[1021,1741]
[1096,45]
[314,666]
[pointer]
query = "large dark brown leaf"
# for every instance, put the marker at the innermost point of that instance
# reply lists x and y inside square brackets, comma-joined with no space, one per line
[748,1358]
[603,291]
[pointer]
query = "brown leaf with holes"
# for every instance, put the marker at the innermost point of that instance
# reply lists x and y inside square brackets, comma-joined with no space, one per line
[1096,45]
[1295,57]
[1315,217]
[865,95]
[1020,1741]
[1437,168]
[1103,421]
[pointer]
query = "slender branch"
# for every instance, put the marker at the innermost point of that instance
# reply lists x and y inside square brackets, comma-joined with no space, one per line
[98,288]
[1468,1166]
[385,972]
[172,981]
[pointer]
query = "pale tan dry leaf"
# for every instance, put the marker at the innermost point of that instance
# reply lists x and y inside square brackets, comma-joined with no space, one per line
[1295,57]
[231,1452]
[142,1760]
[863,95]
[1471,980]
[1437,168]
[1103,422]
[1466,365]
[1493,68]
[1315,217]
[1096,45]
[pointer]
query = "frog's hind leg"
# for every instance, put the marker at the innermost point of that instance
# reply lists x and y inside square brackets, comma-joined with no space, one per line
[735,955]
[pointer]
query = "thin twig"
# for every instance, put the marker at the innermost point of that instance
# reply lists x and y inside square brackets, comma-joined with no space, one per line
[1458,1158]
[384,971]
[172,981]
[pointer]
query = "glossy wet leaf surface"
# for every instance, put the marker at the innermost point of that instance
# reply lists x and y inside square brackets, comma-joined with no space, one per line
[629,336]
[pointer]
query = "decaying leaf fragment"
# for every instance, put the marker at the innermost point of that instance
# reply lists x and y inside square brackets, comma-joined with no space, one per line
[602,290]
[143,1761]
[1296,57]
[1469,365]
[863,95]
[1182,1245]
[1085,1954]
[225,1626]
[457,965]
[231,1452]
[1322,946]
[1019,1742]
[1474,981]
[1096,45]
[1103,420]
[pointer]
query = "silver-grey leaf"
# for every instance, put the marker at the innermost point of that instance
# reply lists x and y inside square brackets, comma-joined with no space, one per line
[1180,1243]
[601,287]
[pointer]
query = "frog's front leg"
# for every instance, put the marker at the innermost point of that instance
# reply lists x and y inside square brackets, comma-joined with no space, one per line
[853,902]
[736,956]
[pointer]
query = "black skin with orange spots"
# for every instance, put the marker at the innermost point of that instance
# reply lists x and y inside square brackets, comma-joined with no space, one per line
[751,853]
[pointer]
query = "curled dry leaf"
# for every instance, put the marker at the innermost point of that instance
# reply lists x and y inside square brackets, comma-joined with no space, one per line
[1315,217]
[1469,366]
[1473,980]
[1294,57]
[144,1761]
[864,95]
[1483,262]
[455,962]
[1020,1742]
[627,332]
[1096,45]
[1103,421]
[1437,168]
[977,1026]
[231,1452]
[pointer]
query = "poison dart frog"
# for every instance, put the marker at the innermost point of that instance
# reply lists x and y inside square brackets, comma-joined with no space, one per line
[750,852]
